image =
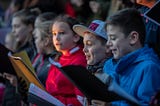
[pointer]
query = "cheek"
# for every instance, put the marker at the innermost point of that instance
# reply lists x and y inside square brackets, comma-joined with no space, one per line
[38,43]
[94,53]
[67,42]
[17,31]
[122,48]
[119,46]
[101,53]
[118,43]
[67,39]
[54,41]
[22,33]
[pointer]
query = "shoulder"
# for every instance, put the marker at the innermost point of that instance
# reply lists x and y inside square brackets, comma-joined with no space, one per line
[149,65]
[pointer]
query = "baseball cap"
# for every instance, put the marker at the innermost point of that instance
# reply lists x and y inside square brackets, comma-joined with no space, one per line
[96,27]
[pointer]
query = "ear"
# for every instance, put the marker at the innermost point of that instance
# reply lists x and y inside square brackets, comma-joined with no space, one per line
[134,37]
[76,38]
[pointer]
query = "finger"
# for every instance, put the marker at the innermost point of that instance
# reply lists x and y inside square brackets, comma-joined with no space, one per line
[6,76]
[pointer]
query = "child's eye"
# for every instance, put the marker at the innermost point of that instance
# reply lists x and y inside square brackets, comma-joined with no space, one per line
[16,26]
[53,33]
[112,37]
[61,33]
[89,43]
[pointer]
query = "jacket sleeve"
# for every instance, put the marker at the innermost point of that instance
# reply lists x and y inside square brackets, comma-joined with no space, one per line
[150,83]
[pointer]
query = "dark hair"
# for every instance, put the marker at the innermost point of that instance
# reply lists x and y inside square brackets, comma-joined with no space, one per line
[27,15]
[70,21]
[18,3]
[67,19]
[128,20]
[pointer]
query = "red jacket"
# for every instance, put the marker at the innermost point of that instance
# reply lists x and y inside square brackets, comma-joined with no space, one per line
[58,85]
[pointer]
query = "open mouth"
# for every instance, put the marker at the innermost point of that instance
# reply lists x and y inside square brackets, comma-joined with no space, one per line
[87,57]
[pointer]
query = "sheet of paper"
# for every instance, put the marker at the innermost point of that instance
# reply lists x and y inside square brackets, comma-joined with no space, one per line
[35,90]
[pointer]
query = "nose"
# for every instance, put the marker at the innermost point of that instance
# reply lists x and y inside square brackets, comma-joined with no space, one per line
[56,37]
[108,43]
[13,30]
[84,49]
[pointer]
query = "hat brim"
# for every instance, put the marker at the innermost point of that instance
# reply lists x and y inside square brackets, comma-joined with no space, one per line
[80,30]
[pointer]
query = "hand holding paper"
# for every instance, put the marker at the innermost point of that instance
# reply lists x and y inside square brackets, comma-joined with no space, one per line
[93,88]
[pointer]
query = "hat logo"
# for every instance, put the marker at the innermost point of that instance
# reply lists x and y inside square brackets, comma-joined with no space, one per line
[93,26]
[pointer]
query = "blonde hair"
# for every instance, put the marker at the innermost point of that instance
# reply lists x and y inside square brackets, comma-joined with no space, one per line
[45,28]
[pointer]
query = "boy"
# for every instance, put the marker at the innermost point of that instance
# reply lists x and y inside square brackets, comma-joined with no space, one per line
[94,40]
[134,65]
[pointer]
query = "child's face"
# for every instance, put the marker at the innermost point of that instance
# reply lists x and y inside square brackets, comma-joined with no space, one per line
[93,49]
[117,42]
[63,37]
[19,29]
[95,6]
[77,3]
[39,42]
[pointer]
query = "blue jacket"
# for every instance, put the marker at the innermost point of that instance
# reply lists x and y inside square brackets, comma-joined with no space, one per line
[137,73]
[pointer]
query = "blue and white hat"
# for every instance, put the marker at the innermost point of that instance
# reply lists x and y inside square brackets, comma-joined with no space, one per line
[97,27]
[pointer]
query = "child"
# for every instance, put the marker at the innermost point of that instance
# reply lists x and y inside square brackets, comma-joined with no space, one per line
[94,39]
[10,42]
[134,65]
[44,46]
[70,45]
[22,27]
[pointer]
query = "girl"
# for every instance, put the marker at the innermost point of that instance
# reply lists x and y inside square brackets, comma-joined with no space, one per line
[70,45]
[44,46]
[22,28]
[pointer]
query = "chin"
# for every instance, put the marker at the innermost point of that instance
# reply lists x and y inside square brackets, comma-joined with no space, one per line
[90,63]
[116,57]
[58,49]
